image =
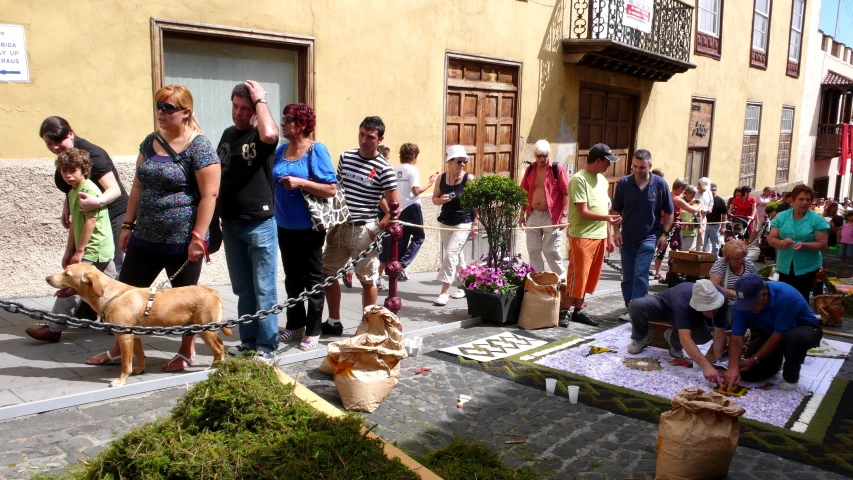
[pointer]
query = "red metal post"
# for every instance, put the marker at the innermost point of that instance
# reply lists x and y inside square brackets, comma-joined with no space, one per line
[393,268]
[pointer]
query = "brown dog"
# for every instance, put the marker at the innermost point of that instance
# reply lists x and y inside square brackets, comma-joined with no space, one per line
[122,304]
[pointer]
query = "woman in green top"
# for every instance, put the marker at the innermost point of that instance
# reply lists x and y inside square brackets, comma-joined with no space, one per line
[800,235]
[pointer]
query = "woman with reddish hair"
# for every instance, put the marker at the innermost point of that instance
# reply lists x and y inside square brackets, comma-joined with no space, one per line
[301,165]
[166,224]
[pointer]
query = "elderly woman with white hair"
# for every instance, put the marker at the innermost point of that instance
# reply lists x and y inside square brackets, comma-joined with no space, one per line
[460,223]
[547,187]
[704,193]
[727,270]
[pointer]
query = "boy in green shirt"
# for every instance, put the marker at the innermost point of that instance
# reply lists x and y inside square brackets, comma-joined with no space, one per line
[90,239]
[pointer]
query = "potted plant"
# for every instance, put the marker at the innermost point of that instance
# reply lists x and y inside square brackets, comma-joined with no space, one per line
[494,284]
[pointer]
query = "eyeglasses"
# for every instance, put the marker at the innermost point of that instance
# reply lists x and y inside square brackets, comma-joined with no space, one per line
[168,108]
[287,119]
[461,162]
[541,155]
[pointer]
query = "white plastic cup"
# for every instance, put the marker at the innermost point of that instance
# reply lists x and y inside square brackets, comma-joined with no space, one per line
[573,393]
[415,345]
[550,386]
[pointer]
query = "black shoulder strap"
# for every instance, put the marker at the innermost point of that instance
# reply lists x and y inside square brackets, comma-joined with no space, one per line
[185,166]
[310,170]
[555,167]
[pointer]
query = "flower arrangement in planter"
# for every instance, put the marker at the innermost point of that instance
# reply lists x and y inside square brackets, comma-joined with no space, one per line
[493,282]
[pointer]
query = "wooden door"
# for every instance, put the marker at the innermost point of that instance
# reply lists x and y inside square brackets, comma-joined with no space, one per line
[483,122]
[607,117]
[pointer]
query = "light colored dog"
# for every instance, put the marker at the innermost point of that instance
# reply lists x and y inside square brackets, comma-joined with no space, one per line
[121,304]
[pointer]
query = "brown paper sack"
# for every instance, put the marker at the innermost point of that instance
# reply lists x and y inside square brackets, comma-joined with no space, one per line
[697,439]
[367,366]
[830,308]
[540,307]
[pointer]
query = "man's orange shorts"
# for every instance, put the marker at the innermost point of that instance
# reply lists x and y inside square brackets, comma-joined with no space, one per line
[586,257]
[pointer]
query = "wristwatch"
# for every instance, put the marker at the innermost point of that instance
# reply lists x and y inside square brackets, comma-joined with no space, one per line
[757,361]
[564,214]
[260,100]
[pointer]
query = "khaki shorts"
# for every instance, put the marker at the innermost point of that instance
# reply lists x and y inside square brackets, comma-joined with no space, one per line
[586,257]
[343,243]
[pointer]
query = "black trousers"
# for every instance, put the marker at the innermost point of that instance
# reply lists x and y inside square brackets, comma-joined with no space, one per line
[302,257]
[652,308]
[803,283]
[141,268]
[796,342]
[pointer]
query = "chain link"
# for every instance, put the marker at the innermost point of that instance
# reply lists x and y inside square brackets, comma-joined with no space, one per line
[61,319]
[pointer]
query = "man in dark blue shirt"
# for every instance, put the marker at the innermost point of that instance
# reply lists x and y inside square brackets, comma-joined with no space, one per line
[686,306]
[639,198]
[782,326]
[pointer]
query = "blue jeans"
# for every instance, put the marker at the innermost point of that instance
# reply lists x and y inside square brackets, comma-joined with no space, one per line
[251,252]
[635,270]
[410,242]
[712,239]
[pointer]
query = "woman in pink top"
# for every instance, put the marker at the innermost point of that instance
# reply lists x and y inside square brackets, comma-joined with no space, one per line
[847,240]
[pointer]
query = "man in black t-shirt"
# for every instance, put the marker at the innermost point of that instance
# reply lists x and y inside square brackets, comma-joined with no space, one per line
[716,217]
[245,205]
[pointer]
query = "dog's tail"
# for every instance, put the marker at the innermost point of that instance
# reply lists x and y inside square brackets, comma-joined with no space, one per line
[226,331]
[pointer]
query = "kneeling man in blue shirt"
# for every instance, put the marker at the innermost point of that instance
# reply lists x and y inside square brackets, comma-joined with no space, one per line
[688,307]
[782,327]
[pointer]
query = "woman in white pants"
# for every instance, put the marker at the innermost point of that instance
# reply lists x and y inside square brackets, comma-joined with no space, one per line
[452,215]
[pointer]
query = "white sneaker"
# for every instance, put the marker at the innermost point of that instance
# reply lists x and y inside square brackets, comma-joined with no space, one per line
[404,274]
[626,317]
[637,346]
[787,387]
[265,357]
[442,300]
[458,294]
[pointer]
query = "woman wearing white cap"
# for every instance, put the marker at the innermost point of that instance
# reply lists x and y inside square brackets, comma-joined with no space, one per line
[452,215]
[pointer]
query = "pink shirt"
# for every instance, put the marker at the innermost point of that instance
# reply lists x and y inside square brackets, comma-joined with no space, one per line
[847,233]
[556,189]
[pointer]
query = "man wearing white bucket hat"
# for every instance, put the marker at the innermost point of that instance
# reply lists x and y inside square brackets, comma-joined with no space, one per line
[687,306]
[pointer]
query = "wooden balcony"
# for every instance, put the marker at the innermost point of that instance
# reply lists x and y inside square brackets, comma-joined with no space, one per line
[828,143]
[600,39]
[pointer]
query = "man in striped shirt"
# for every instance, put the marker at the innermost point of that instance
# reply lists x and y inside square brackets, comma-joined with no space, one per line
[365,176]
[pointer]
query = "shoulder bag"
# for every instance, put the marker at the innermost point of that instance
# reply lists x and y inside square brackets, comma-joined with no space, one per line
[214,228]
[325,212]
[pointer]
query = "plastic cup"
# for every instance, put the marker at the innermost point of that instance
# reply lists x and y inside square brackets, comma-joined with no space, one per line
[573,393]
[415,345]
[550,386]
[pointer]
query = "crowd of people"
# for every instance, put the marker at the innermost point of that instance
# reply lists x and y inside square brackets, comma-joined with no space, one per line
[249,193]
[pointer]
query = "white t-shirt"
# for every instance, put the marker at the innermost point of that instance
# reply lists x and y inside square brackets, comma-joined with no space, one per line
[407,177]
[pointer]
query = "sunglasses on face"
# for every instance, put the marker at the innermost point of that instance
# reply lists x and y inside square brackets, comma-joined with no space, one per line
[168,108]
[542,155]
[287,119]
[461,162]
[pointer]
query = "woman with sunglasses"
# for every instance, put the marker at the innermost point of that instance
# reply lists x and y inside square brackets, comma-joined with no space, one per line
[301,246]
[453,216]
[166,222]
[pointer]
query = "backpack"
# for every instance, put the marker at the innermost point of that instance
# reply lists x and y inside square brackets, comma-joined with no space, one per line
[555,169]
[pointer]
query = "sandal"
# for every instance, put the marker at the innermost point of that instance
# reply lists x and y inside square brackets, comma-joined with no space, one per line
[167,367]
[441,300]
[657,276]
[103,360]
[288,335]
[306,344]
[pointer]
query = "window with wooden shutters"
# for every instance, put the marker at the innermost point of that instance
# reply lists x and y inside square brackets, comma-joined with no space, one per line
[749,154]
[795,44]
[709,30]
[760,34]
[481,113]
[783,162]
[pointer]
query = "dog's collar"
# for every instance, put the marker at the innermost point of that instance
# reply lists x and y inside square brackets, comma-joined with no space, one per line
[150,302]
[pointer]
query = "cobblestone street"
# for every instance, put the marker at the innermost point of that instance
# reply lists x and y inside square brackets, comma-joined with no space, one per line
[561,440]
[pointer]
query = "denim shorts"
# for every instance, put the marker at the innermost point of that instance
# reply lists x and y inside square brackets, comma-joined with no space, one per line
[846,250]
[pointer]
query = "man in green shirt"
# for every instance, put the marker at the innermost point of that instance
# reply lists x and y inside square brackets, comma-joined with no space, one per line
[589,232]
[90,239]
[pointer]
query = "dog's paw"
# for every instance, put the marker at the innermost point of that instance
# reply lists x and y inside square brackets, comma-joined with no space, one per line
[117,382]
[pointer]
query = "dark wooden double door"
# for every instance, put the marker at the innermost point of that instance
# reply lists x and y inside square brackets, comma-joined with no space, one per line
[607,117]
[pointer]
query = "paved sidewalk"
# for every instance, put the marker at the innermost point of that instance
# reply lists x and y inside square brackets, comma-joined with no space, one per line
[563,441]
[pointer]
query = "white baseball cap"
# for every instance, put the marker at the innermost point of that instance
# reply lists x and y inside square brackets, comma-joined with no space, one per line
[706,296]
[456,151]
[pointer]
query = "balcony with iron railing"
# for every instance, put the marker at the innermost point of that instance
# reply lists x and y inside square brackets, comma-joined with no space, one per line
[600,38]
[828,141]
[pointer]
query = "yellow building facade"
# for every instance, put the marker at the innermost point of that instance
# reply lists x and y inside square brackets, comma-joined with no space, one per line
[495,75]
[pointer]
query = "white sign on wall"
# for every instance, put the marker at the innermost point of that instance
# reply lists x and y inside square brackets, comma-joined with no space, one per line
[638,14]
[13,54]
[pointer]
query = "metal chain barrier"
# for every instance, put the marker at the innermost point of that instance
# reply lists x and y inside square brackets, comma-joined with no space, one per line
[61,319]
